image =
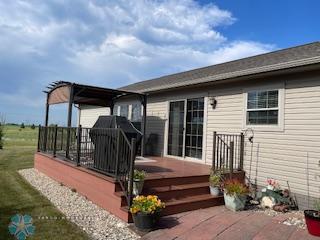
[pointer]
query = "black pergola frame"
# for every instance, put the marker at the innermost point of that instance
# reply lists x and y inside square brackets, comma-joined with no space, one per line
[73,93]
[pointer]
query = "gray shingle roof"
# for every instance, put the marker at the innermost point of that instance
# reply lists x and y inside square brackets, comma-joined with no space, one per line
[281,59]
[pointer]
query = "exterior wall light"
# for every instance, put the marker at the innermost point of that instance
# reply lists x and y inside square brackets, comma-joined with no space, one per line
[213,102]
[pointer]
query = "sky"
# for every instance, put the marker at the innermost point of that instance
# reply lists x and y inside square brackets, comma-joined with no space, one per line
[112,43]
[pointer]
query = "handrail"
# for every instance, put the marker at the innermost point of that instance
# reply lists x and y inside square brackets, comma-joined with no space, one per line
[228,152]
[104,150]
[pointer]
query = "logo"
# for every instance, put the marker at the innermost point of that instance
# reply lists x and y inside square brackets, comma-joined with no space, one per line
[21,226]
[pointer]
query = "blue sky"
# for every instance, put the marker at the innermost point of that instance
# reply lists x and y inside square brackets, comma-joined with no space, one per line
[113,43]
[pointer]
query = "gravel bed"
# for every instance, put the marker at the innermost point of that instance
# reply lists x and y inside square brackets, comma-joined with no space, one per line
[292,218]
[97,222]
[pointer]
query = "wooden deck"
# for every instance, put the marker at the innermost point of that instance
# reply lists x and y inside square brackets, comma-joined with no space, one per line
[182,185]
[164,167]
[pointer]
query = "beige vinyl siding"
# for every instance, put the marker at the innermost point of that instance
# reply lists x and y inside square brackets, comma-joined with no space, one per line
[90,114]
[284,155]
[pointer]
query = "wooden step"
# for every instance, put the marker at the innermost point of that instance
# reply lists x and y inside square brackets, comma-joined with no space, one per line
[178,191]
[192,203]
[168,181]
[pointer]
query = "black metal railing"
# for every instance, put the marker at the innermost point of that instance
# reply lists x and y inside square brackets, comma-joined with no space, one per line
[105,150]
[228,150]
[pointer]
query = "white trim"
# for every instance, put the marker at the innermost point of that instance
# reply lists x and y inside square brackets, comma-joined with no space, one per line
[281,96]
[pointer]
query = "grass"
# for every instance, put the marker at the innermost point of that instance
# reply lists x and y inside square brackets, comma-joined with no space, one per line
[17,196]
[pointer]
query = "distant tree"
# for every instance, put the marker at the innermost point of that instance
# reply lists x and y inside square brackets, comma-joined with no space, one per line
[33,126]
[2,123]
[1,136]
[22,125]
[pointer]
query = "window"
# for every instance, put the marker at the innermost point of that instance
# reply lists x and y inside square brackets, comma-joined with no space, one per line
[136,112]
[124,111]
[263,107]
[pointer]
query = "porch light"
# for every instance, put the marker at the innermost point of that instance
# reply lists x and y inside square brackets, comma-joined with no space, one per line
[213,102]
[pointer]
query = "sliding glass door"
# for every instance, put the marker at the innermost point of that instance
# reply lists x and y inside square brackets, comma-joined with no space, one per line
[185,135]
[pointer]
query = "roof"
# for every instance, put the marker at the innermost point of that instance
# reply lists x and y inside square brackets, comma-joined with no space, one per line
[60,92]
[273,61]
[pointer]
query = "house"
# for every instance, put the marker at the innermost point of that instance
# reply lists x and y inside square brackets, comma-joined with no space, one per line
[273,99]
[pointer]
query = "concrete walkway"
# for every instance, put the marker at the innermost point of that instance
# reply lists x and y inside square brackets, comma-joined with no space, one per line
[220,223]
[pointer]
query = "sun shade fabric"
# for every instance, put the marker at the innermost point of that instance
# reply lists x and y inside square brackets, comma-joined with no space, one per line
[59,95]
[85,94]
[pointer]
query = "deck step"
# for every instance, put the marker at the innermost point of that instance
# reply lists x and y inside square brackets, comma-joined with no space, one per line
[168,181]
[178,191]
[192,203]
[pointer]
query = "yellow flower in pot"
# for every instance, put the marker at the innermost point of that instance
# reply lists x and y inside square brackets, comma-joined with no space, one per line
[146,211]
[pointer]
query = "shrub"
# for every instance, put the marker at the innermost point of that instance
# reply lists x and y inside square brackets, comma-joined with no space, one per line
[146,204]
[139,175]
[33,126]
[235,187]
[215,179]
[1,136]
[22,125]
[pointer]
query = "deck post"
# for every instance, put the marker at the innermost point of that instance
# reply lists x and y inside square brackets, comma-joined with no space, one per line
[231,158]
[214,151]
[241,151]
[144,123]
[55,140]
[131,170]
[69,121]
[79,136]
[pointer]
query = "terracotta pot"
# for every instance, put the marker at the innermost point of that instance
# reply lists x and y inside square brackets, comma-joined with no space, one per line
[234,202]
[214,191]
[313,222]
[144,221]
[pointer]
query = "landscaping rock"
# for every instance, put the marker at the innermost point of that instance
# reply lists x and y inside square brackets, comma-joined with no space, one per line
[97,222]
[268,202]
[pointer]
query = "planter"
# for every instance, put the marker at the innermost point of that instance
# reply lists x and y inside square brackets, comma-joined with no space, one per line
[137,187]
[144,221]
[214,191]
[234,202]
[312,222]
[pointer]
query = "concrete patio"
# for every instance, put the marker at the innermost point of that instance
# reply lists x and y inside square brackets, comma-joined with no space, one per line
[220,223]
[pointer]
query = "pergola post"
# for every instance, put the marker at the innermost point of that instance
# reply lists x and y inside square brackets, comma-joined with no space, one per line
[144,124]
[46,122]
[69,120]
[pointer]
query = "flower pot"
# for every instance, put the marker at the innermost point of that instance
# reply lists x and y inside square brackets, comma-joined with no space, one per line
[234,202]
[137,187]
[214,191]
[145,221]
[313,222]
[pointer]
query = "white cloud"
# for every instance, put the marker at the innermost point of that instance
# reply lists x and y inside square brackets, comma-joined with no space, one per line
[109,43]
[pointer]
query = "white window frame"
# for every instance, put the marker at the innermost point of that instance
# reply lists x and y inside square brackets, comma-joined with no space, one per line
[280,108]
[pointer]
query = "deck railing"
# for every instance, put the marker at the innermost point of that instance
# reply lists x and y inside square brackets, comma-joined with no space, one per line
[228,150]
[104,150]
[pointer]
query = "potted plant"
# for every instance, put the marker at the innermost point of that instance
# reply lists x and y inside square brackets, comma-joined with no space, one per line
[138,181]
[215,183]
[235,194]
[145,211]
[313,219]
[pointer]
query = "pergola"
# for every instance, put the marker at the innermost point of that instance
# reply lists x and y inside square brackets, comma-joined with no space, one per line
[73,93]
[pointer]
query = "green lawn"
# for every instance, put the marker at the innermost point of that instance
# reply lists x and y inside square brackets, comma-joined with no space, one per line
[17,196]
